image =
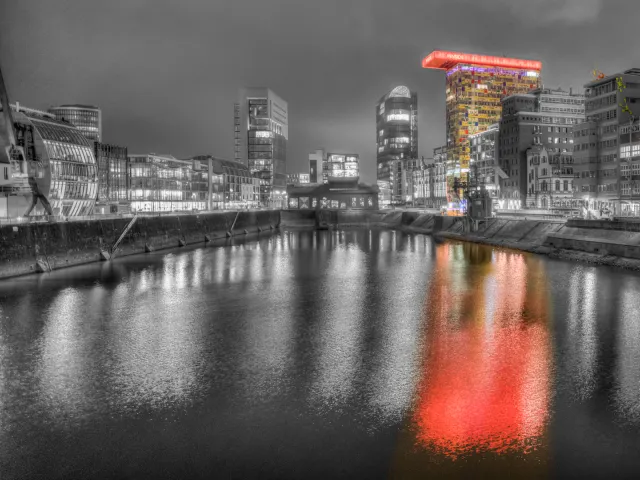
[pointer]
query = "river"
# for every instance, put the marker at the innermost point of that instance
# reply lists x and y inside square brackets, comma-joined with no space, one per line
[331,354]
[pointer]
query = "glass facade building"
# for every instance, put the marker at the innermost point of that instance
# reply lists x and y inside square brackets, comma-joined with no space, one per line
[261,133]
[87,118]
[113,185]
[339,165]
[162,183]
[397,140]
[475,86]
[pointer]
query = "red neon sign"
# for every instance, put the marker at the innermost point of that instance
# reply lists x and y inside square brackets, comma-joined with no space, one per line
[442,60]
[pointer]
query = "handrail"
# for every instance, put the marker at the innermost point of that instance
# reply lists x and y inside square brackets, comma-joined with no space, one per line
[126,230]
[234,221]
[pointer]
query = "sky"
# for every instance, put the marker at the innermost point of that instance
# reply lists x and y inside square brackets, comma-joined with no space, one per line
[166,73]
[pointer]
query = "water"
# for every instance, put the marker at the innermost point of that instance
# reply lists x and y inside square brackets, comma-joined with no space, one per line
[352,354]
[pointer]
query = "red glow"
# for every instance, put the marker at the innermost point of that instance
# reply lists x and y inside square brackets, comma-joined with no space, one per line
[486,383]
[442,60]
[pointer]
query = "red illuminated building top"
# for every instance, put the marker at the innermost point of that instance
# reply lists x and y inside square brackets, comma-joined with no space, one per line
[442,60]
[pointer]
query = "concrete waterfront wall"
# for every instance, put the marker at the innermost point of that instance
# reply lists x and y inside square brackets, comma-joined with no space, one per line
[29,248]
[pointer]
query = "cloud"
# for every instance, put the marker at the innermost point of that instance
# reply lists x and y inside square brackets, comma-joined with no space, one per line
[549,12]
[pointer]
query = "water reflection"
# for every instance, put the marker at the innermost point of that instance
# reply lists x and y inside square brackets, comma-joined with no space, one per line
[486,373]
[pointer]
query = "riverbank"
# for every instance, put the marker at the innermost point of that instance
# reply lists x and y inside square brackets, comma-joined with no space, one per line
[42,247]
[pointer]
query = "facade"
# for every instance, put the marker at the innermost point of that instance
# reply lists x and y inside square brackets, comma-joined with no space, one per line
[113,180]
[430,184]
[340,165]
[484,168]
[550,181]
[339,193]
[87,118]
[607,148]
[297,178]
[475,85]
[397,141]
[317,160]
[261,124]
[232,185]
[63,165]
[543,117]
[162,183]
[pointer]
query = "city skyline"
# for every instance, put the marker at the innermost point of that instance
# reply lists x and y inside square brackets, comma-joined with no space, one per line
[179,75]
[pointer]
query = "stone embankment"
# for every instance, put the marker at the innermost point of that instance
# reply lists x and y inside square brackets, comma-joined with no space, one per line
[37,247]
[614,243]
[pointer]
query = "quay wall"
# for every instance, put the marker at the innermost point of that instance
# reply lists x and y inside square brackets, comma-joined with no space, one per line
[29,248]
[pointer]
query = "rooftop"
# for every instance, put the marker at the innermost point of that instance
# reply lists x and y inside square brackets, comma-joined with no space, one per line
[444,60]
[78,105]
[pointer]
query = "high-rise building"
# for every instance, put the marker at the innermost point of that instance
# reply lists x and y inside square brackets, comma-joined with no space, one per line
[317,160]
[87,118]
[340,165]
[543,117]
[397,141]
[261,124]
[475,84]
[607,147]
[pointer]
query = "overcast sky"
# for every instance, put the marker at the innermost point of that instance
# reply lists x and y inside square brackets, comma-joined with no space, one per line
[166,73]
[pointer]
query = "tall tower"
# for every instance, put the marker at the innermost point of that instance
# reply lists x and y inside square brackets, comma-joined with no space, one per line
[475,85]
[261,124]
[397,140]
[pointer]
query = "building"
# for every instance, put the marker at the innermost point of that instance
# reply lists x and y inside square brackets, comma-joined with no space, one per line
[607,147]
[62,165]
[317,160]
[430,184]
[162,183]
[87,118]
[339,193]
[543,117]
[230,183]
[550,181]
[475,85]
[297,178]
[484,168]
[261,124]
[113,179]
[397,140]
[340,165]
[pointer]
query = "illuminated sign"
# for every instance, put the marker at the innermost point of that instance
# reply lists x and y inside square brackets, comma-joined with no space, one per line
[263,134]
[398,116]
[444,60]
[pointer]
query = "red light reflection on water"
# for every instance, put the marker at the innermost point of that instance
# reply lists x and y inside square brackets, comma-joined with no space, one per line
[485,383]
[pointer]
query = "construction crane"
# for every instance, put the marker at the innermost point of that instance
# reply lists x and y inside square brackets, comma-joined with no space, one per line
[14,162]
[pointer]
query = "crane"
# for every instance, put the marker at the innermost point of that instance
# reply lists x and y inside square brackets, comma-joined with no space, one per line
[14,161]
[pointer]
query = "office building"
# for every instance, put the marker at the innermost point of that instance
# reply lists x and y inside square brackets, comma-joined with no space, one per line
[113,185]
[607,147]
[297,178]
[430,184]
[162,183]
[317,160]
[64,167]
[87,118]
[484,169]
[344,193]
[543,117]
[397,141]
[261,124]
[475,85]
[340,165]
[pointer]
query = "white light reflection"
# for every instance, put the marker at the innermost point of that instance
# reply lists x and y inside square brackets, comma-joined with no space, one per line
[398,355]
[582,339]
[269,334]
[627,392]
[65,357]
[340,331]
